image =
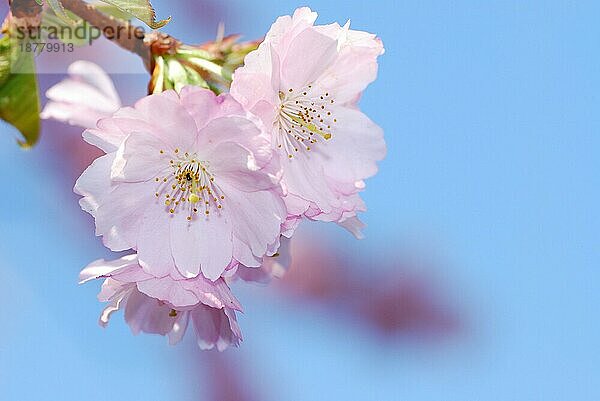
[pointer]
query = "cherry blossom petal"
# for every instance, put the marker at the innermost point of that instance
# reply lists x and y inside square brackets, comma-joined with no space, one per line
[272,267]
[119,216]
[94,183]
[212,293]
[204,106]
[179,328]
[140,157]
[215,328]
[258,216]
[143,313]
[170,121]
[237,167]
[307,58]
[153,243]
[168,290]
[356,65]
[103,268]
[202,244]
[82,99]
[305,178]
[355,147]
[260,80]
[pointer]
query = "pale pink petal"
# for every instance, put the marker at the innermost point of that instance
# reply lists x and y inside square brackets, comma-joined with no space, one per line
[149,315]
[273,266]
[305,178]
[153,242]
[239,131]
[94,184]
[114,306]
[354,148]
[116,294]
[96,77]
[112,289]
[223,120]
[83,98]
[258,216]
[203,244]
[205,106]
[236,166]
[354,225]
[103,268]
[179,327]
[215,328]
[212,293]
[285,28]
[296,206]
[119,216]
[73,114]
[256,84]
[169,119]
[110,132]
[307,58]
[355,67]
[140,157]
[291,223]
[168,290]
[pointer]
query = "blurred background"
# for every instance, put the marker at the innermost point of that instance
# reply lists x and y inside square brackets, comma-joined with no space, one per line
[478,278]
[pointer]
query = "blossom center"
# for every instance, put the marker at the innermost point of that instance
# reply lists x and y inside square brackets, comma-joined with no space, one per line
[188,186]
[304,119]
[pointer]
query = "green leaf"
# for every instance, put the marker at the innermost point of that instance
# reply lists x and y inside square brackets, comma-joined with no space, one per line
[194,78]
[55,27]
[182,75]
[111,10]
[60,12]
[205,64]
[19,98]
[176,74]
[140,9]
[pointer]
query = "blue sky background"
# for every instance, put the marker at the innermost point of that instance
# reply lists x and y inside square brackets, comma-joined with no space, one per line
[491,115]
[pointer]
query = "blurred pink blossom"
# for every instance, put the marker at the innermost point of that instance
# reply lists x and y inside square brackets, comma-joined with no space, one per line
[403,300]
[86,96]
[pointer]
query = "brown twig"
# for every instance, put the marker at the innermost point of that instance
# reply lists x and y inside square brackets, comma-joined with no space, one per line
[25,14]
[125,35]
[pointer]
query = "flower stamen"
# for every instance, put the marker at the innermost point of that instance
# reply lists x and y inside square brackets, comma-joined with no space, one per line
[190,183]
[303,119]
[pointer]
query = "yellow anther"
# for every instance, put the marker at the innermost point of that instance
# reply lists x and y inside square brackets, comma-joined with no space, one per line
[194,198]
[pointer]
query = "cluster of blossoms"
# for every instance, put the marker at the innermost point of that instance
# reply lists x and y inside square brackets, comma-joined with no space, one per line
[207,189]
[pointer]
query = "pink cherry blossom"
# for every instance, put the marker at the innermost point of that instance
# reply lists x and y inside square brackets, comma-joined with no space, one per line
[165,305]
[303,82]
[188,182]
[86,96]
